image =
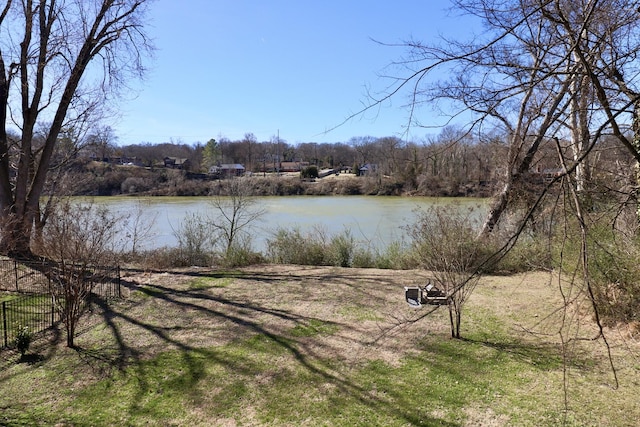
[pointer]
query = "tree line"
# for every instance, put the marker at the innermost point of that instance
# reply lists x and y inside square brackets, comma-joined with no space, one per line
[455,162]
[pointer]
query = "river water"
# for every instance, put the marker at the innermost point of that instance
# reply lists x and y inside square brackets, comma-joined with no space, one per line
[375,221]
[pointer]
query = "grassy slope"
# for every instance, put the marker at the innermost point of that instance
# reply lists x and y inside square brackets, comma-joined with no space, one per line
[284,345]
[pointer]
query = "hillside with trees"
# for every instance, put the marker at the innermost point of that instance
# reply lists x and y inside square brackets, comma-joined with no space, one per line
[452,164]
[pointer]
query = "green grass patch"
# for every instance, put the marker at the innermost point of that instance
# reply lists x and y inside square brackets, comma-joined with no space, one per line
[226,274]
[202,283]
[269,379]
[27,301]
[147,292]
[360,313]
[33,311]
[230,361]
[312,328]
[7,297]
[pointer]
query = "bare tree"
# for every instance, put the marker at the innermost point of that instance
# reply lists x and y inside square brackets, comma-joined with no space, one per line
[552,75]
[196,239]
[445,242]
[102,141]
[236,213]
[138,228]
[249,147]
[541,70]
[60,62]
[78,240]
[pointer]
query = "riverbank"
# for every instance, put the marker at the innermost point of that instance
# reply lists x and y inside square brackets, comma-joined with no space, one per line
[98,179]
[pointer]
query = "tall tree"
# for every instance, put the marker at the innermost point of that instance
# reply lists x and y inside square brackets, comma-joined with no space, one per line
[60,62]
[249,144]
[102,142]
[211,153]
[542,71]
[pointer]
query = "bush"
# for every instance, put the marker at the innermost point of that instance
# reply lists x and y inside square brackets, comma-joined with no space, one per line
[363,258]
[195,243]
[292,247]
[133,185]
[23,338]
[348,187]
[309,172]
[615,274]
[445,241]
[531,253]
[395,256]
[241,255]
[341,250]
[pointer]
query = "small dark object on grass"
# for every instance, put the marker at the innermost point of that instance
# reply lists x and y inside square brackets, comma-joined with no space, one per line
[429,294]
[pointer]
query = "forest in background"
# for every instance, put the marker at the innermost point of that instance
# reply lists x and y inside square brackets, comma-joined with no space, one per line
[451,164]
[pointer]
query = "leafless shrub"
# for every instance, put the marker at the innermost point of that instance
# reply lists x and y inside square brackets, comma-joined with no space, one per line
[445,242]
[234,216]
[196,240]
[77,240]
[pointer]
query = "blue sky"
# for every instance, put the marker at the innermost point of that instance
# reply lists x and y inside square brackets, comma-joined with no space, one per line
[293,67]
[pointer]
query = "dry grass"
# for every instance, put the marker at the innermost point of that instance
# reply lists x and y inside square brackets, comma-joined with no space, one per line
[205,308]
[346,331]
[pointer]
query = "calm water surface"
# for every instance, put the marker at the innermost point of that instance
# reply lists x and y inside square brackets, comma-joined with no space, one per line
[375,221]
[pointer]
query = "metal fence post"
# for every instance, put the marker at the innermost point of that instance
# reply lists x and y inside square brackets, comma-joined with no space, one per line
[15,273]
[4,323]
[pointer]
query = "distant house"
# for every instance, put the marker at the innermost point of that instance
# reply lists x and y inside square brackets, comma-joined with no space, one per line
[550,174]
[227,170]
[176,163]
[545,175]
[293,166]
[368,169]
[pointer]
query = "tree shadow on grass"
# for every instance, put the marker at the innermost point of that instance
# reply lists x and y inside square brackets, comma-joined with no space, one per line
[254,324]
[43,348]
[247,319]
[544,355]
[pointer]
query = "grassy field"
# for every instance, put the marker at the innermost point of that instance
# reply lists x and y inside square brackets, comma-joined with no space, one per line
[306,346]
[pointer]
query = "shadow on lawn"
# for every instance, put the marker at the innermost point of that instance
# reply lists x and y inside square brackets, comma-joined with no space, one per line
[125,355]
[240,314]
[44,347]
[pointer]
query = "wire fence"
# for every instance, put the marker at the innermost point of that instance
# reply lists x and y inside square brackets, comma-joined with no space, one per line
[28,299]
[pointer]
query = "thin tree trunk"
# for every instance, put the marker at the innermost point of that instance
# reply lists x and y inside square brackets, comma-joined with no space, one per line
[636,144]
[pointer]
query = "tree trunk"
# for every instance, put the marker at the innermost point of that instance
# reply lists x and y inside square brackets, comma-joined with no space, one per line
[49,43]
[498,206]
[455,317]
[16,235]
[71,329]
[636,145]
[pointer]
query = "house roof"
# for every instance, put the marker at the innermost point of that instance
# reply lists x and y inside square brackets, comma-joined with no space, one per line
[228,166]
